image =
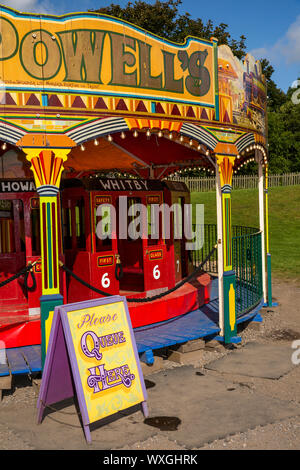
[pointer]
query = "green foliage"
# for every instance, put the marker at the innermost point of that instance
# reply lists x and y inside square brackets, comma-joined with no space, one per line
[284,222]
[162,19]
[276,97]
[283,126]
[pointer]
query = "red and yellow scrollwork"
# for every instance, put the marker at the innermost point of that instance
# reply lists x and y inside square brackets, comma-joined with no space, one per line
[225,165]
[47,165]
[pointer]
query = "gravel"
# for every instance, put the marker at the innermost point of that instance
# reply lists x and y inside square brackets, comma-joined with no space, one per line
[280,324]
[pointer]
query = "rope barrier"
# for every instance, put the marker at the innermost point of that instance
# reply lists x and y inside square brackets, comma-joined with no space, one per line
[24,272]
[29,270]
[119,268]
[33,285]
[180,284]
[147,299]
[84,283]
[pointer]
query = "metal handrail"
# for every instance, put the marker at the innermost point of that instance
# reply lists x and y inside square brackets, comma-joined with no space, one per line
[247,262]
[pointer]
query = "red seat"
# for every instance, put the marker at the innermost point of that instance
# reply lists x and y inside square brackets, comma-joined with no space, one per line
[132,270]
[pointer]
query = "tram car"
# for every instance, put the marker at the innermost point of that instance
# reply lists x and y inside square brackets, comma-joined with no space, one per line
[96,248]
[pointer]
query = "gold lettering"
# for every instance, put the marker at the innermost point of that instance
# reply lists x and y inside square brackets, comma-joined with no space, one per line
[122,59]
[82,50]
[146,79]
[40,54]
[171,84]
[9,39]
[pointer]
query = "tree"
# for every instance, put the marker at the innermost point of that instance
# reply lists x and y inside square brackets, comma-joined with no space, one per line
[284,139]
[162,18]
[283,126]
[276,97]
[284,134]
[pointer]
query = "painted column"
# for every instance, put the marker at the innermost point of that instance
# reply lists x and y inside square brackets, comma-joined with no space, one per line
[269,273]
[262,221]
[47,166]
[217,102]
[220,251]
[225,167]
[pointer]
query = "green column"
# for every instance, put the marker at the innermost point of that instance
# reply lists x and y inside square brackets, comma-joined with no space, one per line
[229,287]
[50,263]
[225,165]
[47,167]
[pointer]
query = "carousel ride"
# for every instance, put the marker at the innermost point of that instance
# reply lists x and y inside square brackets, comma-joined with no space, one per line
[99,117]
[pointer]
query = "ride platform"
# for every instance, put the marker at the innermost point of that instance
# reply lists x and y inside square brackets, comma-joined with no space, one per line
[18,328]
[199,323]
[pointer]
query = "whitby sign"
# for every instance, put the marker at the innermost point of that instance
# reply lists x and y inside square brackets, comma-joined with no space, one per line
[90,51]
[92,354]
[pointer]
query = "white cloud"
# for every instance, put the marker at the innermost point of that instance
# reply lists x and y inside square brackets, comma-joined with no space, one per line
[35,6]
[19,4]
[286,49]
[289,46]
[259,53]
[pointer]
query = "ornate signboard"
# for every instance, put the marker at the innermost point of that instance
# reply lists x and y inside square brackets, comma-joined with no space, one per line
[91,51]
[93,344]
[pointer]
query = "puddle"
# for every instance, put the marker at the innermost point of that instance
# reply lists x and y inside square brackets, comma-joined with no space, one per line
[149,384]
[164,423]
[283,335]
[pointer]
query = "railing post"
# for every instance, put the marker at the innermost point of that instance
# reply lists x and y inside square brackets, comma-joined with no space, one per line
[47,167]
[225,167]
[220,251]
[269,273]
[262,220]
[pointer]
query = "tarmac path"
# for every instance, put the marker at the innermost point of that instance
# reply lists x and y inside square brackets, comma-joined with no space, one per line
[246,397]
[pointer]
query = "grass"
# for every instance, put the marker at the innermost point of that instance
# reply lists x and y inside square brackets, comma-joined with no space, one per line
[284,222]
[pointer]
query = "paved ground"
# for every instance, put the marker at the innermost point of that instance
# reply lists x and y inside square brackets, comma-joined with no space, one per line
[215,403]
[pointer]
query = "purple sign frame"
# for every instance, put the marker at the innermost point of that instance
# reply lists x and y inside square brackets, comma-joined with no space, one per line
[61,369]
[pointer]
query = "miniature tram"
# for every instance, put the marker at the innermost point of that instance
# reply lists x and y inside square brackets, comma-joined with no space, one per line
[149,266]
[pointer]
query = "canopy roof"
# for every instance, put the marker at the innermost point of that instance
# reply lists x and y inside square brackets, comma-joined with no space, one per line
[87,78]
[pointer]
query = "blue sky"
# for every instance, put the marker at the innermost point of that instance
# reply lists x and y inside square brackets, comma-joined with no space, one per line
[272,28]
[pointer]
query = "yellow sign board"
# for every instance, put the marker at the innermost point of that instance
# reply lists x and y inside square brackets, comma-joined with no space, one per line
[101,350]
[93,52]
[106,360]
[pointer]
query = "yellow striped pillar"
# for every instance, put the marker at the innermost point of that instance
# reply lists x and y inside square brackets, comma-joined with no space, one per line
[225,165]
[269,271]
[47,167]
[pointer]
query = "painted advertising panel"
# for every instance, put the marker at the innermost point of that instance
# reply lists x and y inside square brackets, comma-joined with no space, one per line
[95,53]
[242,90]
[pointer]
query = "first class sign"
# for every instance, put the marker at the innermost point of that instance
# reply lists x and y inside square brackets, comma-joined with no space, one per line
[92,346]
[96,51]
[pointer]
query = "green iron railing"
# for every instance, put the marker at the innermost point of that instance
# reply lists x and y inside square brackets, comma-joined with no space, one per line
[246,262]
[208,234]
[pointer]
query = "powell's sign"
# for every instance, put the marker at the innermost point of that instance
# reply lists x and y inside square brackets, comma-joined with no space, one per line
[89,51]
